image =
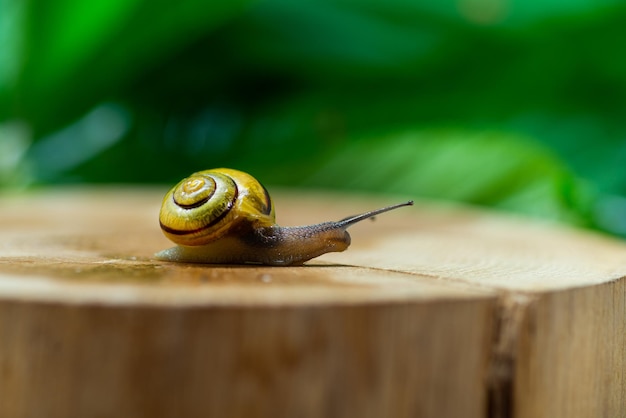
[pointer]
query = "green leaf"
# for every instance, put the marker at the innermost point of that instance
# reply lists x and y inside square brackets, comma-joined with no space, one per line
[485,168]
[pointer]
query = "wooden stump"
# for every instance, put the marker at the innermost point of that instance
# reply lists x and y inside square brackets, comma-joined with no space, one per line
[434,311]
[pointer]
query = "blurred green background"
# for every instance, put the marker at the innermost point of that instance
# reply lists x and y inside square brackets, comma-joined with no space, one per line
[513,104]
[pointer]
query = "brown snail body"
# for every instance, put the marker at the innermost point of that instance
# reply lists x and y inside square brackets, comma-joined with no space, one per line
[225,216]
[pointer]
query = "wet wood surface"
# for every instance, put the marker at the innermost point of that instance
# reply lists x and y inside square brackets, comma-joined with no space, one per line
[434,311]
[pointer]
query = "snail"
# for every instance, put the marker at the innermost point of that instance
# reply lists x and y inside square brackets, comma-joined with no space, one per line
[226,216]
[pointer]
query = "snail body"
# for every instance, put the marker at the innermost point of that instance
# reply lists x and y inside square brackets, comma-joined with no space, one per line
[225,216]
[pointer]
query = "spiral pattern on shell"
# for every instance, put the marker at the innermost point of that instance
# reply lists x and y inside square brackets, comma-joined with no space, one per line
[209,204]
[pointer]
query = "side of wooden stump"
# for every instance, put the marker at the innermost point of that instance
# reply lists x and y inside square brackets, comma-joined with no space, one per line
[399,360]
[571,354]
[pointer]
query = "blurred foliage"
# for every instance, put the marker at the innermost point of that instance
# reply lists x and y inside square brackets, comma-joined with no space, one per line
[513,104]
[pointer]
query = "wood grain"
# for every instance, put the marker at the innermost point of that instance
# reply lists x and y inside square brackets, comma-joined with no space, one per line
[434,311]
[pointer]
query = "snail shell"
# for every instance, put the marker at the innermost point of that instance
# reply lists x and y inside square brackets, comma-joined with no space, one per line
[209,204]
[226,216]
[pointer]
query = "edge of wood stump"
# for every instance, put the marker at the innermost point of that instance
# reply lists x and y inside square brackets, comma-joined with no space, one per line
[438,311]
